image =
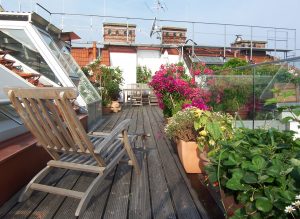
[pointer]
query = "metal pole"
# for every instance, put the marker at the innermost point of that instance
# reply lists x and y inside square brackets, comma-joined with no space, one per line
[253,96]
[193,38]
[224,52]
[127,36]
[251,45]
[295,42]
[275,41]
[19,2]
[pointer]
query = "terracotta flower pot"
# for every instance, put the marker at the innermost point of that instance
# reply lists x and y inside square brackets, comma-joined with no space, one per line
[189,155]
[115,106]
[106,110]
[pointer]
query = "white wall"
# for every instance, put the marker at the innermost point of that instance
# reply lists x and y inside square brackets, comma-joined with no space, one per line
[127,63]
[154,59]
[149,58]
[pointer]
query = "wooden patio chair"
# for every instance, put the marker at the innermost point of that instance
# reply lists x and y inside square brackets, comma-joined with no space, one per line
[48,114]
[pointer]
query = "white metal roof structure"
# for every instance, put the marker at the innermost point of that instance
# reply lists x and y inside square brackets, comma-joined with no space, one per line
[33,45]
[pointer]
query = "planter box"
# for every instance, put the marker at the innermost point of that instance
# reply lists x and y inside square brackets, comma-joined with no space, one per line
[189,155]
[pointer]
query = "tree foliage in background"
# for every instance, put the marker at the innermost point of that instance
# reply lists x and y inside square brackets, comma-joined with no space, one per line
[108,79]
[143,74]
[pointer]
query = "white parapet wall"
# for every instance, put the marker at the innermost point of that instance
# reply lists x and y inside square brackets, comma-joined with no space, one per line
[127,62]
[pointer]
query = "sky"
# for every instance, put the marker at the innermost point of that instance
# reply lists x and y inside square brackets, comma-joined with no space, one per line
[270,13]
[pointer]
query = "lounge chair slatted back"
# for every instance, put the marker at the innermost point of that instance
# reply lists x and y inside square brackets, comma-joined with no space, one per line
[49,115]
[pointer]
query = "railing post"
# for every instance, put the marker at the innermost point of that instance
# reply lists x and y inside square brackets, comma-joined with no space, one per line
[253,96]
[225,39]
[251,45]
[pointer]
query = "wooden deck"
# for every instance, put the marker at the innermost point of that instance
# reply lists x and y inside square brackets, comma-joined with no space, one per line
[161,191]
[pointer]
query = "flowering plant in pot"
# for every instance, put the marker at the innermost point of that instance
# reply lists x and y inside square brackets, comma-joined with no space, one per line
[212,127]
[204,128]
[174,89]
[180,128]
[260,168]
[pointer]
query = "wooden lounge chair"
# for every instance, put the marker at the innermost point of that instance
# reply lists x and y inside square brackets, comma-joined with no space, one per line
[48,114]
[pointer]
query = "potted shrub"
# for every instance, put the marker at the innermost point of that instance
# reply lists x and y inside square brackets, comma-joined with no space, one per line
[180,128]
[260,168]
[111,81]
[197,132]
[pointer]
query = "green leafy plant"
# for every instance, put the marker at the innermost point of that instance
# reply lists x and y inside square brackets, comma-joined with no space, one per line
[111,80]
[143,74]
[212,128]
[260,168]
[108,79]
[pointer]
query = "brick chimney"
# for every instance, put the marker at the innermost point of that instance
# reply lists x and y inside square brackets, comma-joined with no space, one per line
[173,35]
[119,33]
[239,42]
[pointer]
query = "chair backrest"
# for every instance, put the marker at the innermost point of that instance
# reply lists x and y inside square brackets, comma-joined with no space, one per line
[49,115]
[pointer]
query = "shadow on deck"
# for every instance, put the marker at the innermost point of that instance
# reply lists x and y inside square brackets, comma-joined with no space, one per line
[161,191]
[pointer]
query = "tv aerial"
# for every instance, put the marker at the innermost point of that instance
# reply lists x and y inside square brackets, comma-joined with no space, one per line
[158,6]
[155,29]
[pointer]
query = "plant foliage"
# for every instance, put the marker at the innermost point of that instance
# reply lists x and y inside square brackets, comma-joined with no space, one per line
[261,169]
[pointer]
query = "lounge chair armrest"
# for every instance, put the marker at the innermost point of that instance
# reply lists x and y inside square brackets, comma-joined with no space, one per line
[113,134]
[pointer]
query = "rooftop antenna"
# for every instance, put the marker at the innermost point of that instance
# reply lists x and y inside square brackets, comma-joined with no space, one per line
[19,3]
[158,6]
[1,8]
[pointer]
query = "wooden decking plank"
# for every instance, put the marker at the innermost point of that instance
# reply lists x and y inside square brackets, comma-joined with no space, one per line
[24,209]
[194,195]
[183,202]
[96,207]
[114,118]
[7,206]
[117,203]
[118,198]
[161,203]
[139,203]
[52,202]
[68,207]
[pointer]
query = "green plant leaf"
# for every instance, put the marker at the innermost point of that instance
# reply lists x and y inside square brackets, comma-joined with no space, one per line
[287,195]
[265,179]
[269,194]
[214,129]
[287,171]
[295,162]
[287,119]
[274,170]
[250,178]
[296,111]
[271,101]
[258,162]
[263,204]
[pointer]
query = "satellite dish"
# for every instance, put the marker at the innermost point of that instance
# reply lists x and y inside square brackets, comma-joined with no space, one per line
[154,27]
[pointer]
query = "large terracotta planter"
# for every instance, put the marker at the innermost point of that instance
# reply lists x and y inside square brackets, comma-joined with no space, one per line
[106,110]
[189,155]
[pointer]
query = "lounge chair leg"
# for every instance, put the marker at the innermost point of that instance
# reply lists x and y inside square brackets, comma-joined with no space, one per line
[88,194]
[130,153]
[38,177]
